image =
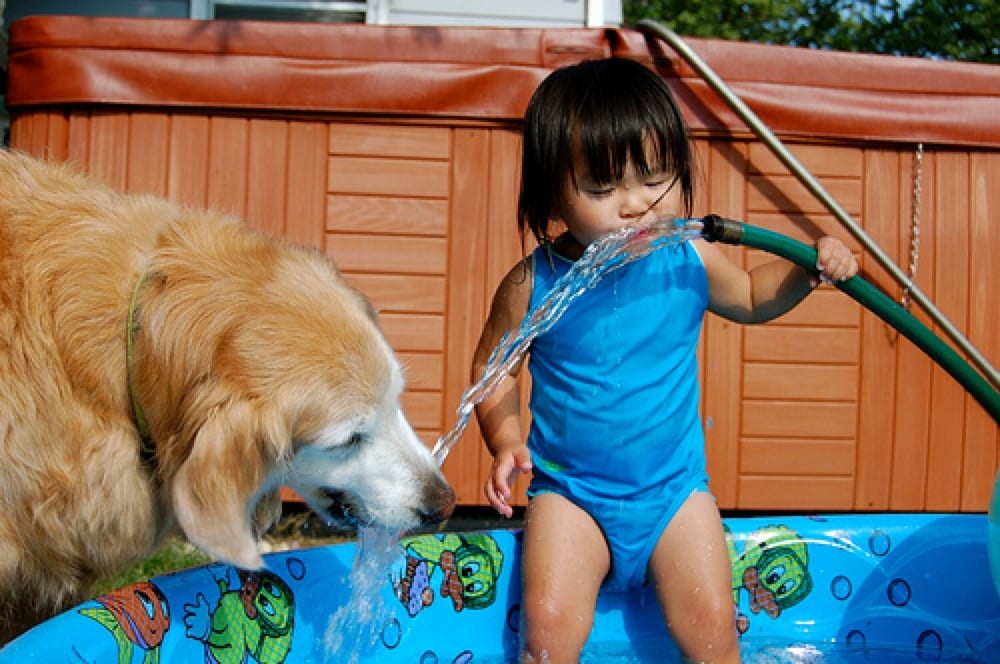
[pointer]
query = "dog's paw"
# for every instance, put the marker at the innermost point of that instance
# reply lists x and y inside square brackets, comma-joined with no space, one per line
[247,558]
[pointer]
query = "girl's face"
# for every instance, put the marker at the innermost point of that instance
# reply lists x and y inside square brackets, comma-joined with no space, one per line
[592,209]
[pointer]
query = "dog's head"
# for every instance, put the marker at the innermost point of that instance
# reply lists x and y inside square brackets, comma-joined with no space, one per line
[277,373]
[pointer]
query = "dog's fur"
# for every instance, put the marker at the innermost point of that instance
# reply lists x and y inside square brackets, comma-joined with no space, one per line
[255,364]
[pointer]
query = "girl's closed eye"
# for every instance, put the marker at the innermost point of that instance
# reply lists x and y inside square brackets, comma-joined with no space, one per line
[594,189]
[655,180]
[598,192]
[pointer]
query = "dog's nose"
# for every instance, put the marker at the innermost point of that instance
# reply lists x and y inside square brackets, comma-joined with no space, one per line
[439,503]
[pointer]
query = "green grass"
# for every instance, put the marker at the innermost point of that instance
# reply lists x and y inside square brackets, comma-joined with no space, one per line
[175,554]
[179,554]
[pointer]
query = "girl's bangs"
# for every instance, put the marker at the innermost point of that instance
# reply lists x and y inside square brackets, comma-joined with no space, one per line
[609,142]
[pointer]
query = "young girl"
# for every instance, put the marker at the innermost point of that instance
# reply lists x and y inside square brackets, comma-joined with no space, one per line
[619,491]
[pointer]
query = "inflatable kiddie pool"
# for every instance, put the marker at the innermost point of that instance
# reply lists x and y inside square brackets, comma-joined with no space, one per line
[868,588]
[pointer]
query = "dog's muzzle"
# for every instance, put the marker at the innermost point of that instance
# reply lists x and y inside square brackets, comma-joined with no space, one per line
[344,510]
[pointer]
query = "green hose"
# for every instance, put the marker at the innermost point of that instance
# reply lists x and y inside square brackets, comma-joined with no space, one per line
[719,229]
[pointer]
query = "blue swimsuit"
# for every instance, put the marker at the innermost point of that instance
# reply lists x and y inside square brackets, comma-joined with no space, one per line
[614,399]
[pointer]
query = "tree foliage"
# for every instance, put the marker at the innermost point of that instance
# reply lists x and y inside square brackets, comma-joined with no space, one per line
[946,29]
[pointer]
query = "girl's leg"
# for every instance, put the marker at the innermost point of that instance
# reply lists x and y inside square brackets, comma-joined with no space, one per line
[691,572]
[564,560]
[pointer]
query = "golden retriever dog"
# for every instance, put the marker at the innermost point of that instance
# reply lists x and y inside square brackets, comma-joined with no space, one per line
[166,368]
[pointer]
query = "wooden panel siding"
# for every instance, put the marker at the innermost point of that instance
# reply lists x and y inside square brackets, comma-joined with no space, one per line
[228,152]
[983,314]
[791,492]
[720,354]
[887,207]
[386,226]
[42,133]
[797,457]
[481,225]
[414,196]
[798,391]
[830,383]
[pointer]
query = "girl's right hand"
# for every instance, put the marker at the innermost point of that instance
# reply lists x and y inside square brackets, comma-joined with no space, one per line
[507,464]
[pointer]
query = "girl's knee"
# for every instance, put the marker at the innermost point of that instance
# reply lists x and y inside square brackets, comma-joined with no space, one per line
[552,632]
[707,633]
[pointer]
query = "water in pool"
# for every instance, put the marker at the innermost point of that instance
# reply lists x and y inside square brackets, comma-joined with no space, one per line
[754,653]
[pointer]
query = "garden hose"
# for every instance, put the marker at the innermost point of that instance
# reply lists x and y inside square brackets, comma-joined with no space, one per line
[720,229]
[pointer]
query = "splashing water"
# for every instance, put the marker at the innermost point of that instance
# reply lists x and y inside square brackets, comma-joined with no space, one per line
[355,628]
[607,254]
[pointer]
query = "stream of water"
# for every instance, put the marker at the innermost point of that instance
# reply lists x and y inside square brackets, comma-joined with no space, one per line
[355,628]
[609,253]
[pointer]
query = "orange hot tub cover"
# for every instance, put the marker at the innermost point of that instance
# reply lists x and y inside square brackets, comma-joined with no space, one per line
[483,74]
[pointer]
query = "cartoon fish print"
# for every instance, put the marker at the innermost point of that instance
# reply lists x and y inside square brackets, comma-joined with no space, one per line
[470,565]
[137,615]
[773,569]
[256,620]
[414,587]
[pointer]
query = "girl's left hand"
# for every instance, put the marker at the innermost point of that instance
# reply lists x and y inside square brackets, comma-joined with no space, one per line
[834,260]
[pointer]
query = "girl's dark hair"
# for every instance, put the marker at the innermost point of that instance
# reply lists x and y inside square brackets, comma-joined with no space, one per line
[607,109]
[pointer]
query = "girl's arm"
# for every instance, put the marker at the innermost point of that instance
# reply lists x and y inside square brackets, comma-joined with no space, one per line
[499,415]
[771,289]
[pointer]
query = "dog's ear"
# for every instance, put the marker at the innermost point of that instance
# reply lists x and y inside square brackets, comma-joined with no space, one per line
[215,487]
